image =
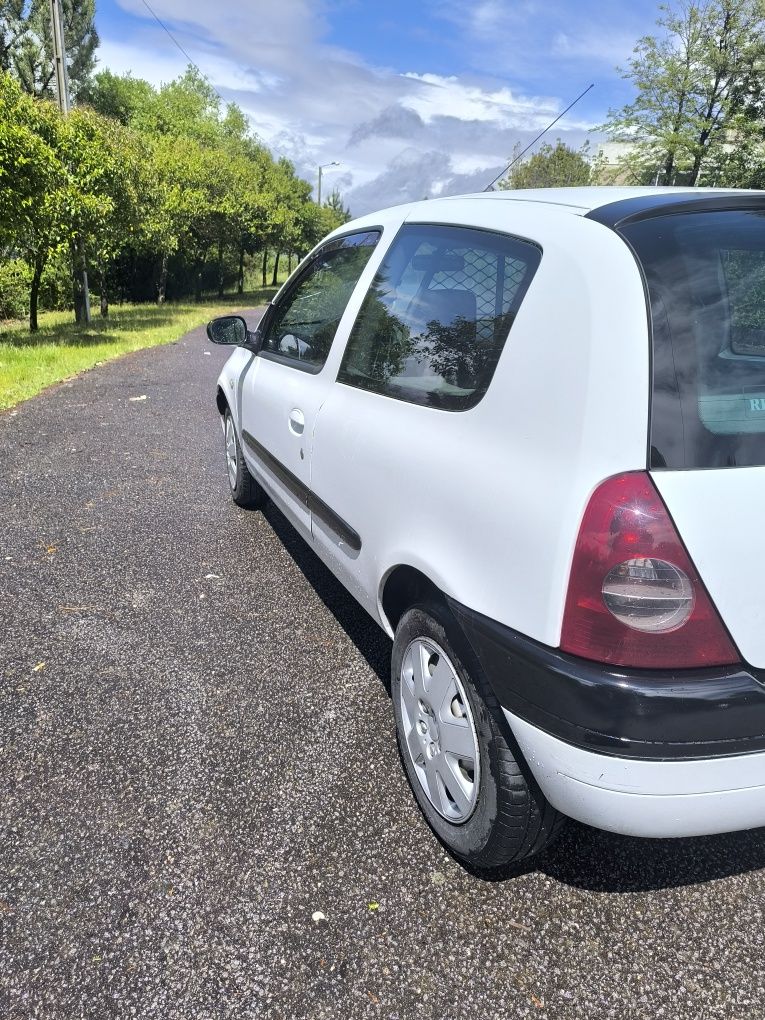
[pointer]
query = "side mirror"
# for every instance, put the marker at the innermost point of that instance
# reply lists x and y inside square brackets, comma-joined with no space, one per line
[231,331]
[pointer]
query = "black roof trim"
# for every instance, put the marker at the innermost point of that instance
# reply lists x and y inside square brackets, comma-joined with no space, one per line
[618,214]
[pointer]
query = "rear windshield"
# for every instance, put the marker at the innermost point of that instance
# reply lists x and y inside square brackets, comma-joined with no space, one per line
[706,282]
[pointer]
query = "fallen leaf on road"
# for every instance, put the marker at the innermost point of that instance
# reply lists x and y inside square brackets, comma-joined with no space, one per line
[518,925]
[51,550]
[38,668]
[373,905]
[539,1003]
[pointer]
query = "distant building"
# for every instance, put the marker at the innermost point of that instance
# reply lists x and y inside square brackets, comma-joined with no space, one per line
[607,157]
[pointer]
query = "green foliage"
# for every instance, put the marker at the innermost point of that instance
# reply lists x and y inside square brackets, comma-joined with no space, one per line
[156,190]
[210,189]
[11,29]
[56,282]
[29,164]
[551,166]
[15,280]
[119,97]
[337,207]
[697,115]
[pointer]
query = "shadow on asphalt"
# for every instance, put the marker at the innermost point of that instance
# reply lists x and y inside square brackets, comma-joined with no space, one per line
[373,643]
[582,857]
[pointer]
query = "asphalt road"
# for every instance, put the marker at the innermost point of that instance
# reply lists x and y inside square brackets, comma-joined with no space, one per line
[198,756]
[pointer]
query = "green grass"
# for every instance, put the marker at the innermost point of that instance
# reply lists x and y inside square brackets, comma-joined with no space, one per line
[31,361]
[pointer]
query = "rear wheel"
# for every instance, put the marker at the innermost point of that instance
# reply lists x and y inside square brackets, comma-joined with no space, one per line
[466,779]
[245,490]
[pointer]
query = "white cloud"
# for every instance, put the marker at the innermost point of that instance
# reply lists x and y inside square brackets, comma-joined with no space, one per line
[398,136]
[450,97]
[607,48]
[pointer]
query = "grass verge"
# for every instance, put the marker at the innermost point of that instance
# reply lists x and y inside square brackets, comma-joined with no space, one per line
[31,361]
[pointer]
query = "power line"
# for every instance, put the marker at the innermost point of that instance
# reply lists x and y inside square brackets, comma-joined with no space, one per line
[175,42]
[535,140]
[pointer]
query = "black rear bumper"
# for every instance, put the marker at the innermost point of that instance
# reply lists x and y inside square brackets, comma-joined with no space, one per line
[646,714]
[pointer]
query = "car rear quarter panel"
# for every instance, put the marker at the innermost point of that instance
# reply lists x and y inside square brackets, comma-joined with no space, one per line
[487,502]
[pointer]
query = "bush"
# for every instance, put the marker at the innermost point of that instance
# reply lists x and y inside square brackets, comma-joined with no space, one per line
[15,280]
[56,285]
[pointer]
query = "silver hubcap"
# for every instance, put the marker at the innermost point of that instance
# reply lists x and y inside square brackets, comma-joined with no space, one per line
[439,731]
[231,458]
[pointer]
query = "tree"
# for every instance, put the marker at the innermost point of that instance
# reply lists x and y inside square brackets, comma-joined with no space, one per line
[335,203]
[63,179]
[33,182]
[31,52]
[121,97]
[552,166]
[699,91]
[213,187]
[144,186]
[105,161]
[11,28]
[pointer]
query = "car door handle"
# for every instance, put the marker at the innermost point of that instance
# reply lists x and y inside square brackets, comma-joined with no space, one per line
[296,421]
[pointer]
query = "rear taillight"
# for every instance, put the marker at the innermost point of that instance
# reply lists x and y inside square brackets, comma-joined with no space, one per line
[634,596]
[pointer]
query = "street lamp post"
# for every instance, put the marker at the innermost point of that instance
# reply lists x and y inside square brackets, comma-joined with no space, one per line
[322,167]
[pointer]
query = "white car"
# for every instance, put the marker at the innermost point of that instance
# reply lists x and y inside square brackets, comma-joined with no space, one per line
[527,431]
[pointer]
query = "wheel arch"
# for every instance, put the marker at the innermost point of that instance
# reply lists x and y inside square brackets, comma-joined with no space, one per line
[221,402]
[403,586]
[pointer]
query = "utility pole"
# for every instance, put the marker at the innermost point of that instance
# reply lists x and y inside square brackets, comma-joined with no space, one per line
[59,56]
[80,276]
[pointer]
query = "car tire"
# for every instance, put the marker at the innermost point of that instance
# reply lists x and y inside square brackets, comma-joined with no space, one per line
[493,814]
[245,490]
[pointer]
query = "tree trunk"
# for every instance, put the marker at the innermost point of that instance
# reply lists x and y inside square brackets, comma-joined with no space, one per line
[78,297]
[220,267]
[276,270]
[700,153]
[104,294]
[240,277]
[265,266]
[34,294]
[289,264]
[669,166]
[162,288]
[198,282]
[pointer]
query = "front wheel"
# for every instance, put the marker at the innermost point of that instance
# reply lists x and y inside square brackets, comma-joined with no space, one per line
[463,773]
[245,490]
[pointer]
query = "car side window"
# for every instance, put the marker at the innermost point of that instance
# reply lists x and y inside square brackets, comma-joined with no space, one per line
[437,315]
[303,324]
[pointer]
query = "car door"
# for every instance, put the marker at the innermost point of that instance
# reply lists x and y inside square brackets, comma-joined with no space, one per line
[285,384]
[395,455]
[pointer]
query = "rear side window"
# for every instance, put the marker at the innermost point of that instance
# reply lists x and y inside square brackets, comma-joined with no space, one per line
[434,322]
[706,281]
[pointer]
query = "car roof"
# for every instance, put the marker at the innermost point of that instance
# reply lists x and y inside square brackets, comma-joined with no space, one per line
[583,200]
[592,202]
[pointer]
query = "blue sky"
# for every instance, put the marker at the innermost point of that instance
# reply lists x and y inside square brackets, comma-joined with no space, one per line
[415,98]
